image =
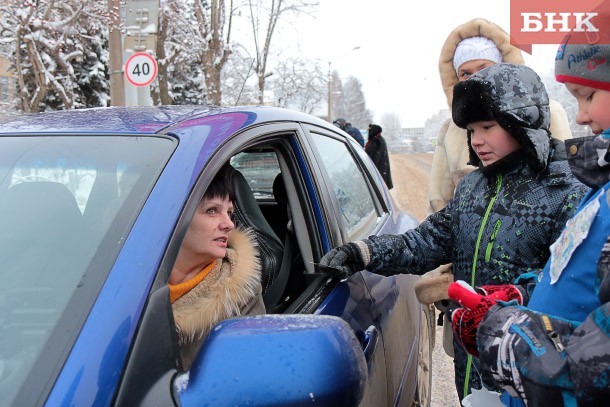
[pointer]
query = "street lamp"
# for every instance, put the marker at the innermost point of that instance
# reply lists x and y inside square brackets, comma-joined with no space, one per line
[329,119]
[329,79]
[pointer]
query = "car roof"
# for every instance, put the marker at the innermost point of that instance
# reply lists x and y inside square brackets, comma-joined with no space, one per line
[139,119]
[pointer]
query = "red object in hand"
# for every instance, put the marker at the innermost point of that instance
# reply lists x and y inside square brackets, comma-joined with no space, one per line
[466,320]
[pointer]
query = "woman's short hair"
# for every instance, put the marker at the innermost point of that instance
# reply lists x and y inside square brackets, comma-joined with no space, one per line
[221,185]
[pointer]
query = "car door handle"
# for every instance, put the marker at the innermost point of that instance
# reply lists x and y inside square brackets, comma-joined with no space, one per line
[369,343]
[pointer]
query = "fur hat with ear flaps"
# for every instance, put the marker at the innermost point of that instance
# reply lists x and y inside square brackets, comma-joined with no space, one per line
[515,97]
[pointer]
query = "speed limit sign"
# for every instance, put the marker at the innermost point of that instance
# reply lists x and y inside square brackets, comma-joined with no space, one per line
[141,69]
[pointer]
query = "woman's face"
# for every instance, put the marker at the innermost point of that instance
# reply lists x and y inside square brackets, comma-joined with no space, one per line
[593,106]
[491,142]
[207,235]
[467,69]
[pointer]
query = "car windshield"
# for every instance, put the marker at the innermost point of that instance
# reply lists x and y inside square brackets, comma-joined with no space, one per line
[61,197]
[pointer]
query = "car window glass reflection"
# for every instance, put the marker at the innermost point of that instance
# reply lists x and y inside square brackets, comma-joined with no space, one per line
[260,170]
[355,201]
[59,198]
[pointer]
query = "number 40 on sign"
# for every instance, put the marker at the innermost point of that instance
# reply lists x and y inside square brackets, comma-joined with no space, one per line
[141,69]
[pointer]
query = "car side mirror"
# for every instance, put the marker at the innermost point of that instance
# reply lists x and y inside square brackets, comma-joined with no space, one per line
[285,360]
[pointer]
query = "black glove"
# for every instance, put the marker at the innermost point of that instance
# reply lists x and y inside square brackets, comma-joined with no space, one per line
[343,261]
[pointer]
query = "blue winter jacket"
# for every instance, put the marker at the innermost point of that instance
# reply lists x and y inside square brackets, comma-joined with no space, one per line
[567,359]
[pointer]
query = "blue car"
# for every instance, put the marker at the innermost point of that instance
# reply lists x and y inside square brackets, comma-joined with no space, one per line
[93,207]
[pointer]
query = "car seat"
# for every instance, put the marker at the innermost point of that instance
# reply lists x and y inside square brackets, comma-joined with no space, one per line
[41,226]
[247,214]
[41,245]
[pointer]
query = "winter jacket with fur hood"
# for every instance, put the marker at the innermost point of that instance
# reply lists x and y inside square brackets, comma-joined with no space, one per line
[449,163]
[231,289]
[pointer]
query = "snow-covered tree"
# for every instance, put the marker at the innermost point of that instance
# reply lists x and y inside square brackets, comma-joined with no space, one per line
[263,17]
[191,51]
[91,70]
[355,103]
[337,109]
[392,131]
[193,46]
[298,84]
[213,32]
[237,88]
[348,101]
[47,38]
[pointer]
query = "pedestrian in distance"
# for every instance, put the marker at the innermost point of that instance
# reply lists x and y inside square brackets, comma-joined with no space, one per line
[349,129]
[377,149]
[556,350]
[340,123]
[355,133]
[504,215]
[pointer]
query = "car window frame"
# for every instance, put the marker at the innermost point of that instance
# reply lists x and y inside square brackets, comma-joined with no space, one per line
[337,228]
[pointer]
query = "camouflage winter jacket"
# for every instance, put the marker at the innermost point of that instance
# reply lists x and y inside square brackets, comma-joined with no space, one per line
[497,226]
[503,217]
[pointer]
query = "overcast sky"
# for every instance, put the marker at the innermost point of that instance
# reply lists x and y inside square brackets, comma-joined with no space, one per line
[397,61]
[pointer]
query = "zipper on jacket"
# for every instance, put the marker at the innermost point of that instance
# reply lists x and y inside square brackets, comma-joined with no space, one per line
[492,239]
[553,336]
[474,262]
[482,227]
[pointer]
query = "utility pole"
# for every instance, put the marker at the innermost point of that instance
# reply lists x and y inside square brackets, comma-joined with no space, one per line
[329,80]
[328,116]
[115,47]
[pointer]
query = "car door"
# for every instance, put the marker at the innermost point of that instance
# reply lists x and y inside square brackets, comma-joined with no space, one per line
[364,211]
[313,219]
[352,209]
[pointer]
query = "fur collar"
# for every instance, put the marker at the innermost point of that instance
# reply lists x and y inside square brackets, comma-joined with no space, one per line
[229,288]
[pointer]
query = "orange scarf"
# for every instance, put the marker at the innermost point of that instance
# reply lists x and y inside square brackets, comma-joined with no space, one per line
[178,290]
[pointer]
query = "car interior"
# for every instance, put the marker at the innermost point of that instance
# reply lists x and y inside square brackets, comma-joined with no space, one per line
[266,208]
[272,199]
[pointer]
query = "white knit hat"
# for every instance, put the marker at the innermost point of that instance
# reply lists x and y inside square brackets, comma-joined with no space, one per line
[473,48]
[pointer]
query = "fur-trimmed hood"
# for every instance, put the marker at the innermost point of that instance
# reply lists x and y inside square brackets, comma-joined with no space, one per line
[477,27]
[515,97]
[231,289]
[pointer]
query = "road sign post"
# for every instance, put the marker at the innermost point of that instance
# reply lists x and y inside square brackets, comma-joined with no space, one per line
[139,46]
[141,69]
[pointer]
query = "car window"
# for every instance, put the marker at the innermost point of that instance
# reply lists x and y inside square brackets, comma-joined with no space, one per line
[259,169]
[356,203]
[59,198]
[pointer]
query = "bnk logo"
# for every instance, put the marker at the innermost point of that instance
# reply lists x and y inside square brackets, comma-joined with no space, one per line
[558,22]
[549,21]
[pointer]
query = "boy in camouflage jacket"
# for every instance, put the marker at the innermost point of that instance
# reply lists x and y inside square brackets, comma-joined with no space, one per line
[503,217]
[556,351]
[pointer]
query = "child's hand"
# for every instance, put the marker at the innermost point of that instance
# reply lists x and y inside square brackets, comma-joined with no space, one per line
[466,320]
